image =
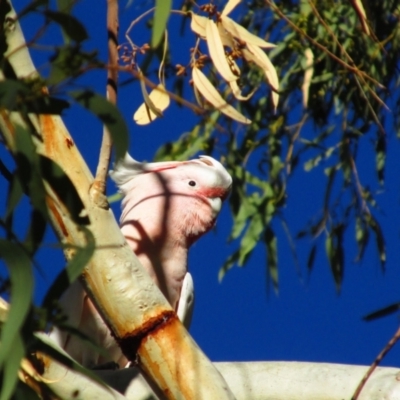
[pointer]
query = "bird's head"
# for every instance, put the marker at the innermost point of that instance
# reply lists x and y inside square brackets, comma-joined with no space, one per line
[187,193]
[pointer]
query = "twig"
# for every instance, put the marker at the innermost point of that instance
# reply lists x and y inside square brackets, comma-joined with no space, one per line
[351,61]
[322,47]
[133,23]
[292,142]
[99,185]
[376,362]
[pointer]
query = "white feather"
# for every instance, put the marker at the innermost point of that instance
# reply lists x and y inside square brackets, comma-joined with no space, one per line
[186,301]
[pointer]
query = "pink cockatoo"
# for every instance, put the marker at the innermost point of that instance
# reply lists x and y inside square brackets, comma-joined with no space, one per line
[166,207]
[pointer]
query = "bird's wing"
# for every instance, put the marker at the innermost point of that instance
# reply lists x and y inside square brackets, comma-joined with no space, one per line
[186,301]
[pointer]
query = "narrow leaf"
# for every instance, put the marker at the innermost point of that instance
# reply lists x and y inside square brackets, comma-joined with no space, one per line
[21,278]
[311,258]
[362,16]
[230,5]
[217,52]
[258,56]
[28,169]
[161,15]
[154,105]
[308,74]
[198,24]
[211,94]
[69,24]
[15,194]
[380,240]
[383,312]
[243,34]
[237,92]
[36,231]
[226,37]
[109,115]
[380,158]
[65,190]
[11,367]
[272,256]
[72,270]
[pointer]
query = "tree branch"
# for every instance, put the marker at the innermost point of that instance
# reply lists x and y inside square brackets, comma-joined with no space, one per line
[140,318]
[98,188]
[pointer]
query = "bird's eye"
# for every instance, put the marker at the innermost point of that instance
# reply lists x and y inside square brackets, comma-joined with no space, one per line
[192,183]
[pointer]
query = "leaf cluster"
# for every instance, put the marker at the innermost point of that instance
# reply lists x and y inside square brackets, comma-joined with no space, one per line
[353,91]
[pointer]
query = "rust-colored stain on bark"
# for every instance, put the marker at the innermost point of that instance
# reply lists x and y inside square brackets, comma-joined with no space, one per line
[47,127]
[53,142]
[131,342]
[41,362]
[56,215]
[172,340]
[69,142]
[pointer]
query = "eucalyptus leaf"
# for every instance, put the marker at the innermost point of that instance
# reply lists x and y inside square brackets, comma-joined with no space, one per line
[161,15]
[21,278]
[72,270]
[109,115]
[71,27]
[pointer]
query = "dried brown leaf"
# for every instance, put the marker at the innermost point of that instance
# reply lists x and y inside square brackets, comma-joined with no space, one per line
[308,74]
[217,52]
[154,105]
[243,34]
[210,93]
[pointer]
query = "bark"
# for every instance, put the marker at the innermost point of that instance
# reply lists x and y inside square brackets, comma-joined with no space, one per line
[136,312]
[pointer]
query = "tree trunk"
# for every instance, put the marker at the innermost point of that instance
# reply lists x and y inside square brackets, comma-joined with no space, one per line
[132,306]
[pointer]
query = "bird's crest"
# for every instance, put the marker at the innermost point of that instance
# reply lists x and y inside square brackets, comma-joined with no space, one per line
[128,168]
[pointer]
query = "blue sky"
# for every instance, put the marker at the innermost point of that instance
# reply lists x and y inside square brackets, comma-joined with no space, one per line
[241,318]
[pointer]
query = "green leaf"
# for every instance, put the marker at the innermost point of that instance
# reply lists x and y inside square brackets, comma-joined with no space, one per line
[32,6]
[64,188]
[250,238]
[271,243]
[11,367]
[69,62]
[71,27]
[335,253]
[381,158]
[380,240]
[19,96]
[37,228]
[161,15]
[21,279]
[228,264]
[28,169]
[246,210]
[72,270]
[311,258]
[383,312]
[24,392]
[362,237]
[14,196]
[109,115]
[10,92]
